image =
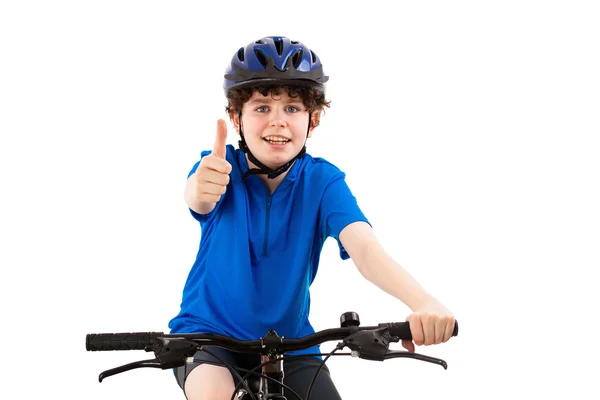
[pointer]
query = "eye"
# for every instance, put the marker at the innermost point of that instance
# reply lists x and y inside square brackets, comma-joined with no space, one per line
[292,109]
[262,109]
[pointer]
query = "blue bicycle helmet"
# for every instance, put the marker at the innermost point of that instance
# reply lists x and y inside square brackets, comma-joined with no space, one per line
[273,61]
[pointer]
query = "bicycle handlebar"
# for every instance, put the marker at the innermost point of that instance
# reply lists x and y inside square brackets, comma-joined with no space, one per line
[120,341]
[146,340]
[171,350]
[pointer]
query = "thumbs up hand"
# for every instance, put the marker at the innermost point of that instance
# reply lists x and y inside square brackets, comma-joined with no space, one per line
[212,176]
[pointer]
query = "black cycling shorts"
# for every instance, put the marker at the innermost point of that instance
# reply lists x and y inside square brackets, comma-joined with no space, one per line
[298,372]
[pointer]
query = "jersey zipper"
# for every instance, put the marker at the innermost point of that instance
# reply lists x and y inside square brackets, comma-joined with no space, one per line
[267,223]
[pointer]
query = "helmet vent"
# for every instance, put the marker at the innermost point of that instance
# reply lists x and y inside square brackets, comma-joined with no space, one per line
[297,58]
[279,46]
[260,55]
[260,41]
[314,56]
[294,42]
[240,54]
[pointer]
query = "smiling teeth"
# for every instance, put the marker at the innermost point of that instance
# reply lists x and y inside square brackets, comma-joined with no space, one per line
[276,140]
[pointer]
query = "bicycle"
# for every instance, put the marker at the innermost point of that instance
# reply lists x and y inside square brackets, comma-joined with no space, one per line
[174,350]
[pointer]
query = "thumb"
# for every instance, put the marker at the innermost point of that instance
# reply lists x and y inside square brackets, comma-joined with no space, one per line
[219,149]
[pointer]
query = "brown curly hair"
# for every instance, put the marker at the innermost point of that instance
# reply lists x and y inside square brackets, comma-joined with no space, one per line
[313,99]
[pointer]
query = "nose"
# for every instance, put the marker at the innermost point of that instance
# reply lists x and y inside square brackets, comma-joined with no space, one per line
[276,119]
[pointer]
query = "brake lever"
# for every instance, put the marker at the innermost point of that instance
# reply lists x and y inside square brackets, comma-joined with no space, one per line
[374,345]
[170,353]
[154,363]
[421,357]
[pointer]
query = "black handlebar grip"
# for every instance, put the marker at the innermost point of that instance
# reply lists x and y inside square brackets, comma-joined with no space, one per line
[120,341]
[402,330]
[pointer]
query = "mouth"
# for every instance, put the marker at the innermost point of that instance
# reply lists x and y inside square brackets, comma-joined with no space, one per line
[277,141]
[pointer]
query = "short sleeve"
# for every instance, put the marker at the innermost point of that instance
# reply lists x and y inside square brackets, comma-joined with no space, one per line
[339,208]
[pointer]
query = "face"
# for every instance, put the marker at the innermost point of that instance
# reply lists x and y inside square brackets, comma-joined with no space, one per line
[275,127]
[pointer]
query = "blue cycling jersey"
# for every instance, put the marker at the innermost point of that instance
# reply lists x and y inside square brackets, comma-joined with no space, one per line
[259,253]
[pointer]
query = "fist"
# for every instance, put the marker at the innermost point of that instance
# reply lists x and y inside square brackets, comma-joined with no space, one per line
[431,323]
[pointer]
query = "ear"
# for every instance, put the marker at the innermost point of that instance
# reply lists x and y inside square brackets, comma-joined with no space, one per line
[235,119]
[314,122]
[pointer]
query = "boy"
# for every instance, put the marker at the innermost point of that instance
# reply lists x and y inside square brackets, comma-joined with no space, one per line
[265,210]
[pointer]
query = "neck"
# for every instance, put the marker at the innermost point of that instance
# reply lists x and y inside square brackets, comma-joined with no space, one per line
[270,183]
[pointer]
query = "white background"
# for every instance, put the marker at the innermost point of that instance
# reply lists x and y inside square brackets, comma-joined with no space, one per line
[468,130]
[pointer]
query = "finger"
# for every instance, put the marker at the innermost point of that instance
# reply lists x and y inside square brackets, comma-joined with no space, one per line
[215,177]
[449,330]
[212,188]
[440,330]
[217,164]
[219,149]
[209,197]
[428,330]
[408,345]
[416,329]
